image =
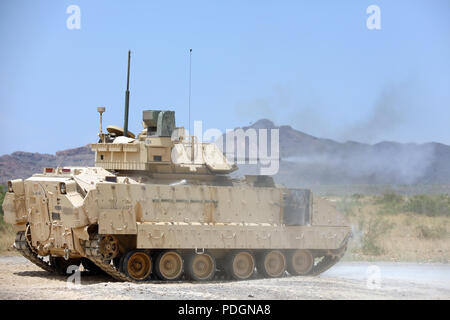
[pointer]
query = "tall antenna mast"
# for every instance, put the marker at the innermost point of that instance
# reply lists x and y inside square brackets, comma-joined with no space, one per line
[127,98]
[190,79]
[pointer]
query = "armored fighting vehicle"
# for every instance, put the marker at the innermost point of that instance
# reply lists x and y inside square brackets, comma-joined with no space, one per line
[162,205]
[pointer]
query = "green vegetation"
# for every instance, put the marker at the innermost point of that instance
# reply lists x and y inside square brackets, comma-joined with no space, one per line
[357,196]
[431,232]
[6,230]
[389,198]
[2,196]
[398,227]
[390,203]
[423,204]
[429,205]
[349,206]
[372,230]
[3,225]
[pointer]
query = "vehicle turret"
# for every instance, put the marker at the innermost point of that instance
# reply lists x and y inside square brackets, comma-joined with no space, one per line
[161,147]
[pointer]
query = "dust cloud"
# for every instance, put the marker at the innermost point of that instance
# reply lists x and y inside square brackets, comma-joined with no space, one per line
[335,161]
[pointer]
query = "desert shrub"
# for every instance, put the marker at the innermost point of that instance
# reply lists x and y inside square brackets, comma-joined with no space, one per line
[390,203]
[6,230]
[345,208]
[372,230]
[409,220]
[2,196]
[348,206]
[3,225]
[429,205]
[389,198]
[431,232]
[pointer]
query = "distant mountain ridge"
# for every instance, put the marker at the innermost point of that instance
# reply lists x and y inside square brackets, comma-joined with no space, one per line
[308,160]
[305,160]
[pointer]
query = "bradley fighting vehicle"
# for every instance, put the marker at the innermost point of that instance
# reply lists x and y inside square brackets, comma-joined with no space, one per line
[161,205]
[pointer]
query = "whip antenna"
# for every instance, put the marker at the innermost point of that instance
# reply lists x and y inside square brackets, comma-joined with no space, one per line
[127,98]
[190,80]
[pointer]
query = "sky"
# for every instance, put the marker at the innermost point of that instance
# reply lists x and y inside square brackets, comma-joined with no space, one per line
[313,65]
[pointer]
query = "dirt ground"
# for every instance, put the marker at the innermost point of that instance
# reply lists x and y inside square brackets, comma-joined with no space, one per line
[20,279]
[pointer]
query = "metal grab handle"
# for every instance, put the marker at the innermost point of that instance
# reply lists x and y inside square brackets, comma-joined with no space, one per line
[232,237]
[263,238]
[124,227]
[150,236]
[199,251]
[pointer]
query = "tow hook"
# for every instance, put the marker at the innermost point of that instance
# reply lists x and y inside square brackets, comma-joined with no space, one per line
[66,253]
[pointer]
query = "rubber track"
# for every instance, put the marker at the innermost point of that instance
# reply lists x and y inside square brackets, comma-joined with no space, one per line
[92,250]
[23,247]
[327,262]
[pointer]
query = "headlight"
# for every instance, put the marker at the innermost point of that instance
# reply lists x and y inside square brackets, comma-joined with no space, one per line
[10,188]
[62,188]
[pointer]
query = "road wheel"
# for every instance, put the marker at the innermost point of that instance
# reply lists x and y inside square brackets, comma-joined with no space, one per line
[200,267]
[240,265]
[109,247]
[271,263]
[169,265]
[300,262]
[137,264]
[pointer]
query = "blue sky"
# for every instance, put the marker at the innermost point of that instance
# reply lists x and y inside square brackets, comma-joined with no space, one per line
[313,65]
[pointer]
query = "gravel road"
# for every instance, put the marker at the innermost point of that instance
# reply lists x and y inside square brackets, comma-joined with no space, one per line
[19,279]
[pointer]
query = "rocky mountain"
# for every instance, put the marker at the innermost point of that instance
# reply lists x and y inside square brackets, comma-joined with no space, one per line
[304,161]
